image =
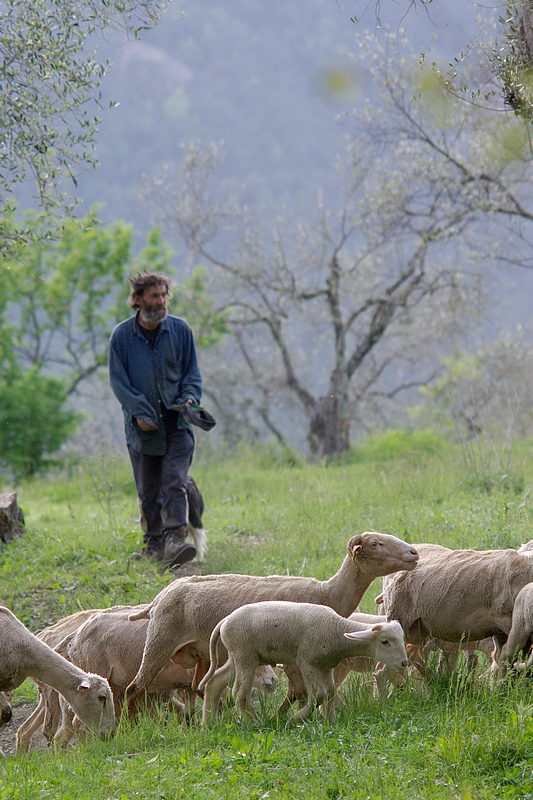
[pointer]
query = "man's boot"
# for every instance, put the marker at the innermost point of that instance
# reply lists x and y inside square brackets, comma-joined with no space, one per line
[177,551]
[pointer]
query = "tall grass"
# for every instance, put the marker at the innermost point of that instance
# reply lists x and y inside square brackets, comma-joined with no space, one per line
[448,738]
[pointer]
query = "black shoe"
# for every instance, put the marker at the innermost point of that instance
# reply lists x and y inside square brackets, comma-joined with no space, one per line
[177,551]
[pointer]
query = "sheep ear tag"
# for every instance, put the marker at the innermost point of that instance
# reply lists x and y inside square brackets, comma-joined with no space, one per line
[356,549]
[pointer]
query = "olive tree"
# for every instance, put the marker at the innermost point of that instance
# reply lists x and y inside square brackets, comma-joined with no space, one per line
[50,78]
[507,60]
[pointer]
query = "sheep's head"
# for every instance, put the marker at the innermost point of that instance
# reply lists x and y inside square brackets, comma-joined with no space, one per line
[382,553]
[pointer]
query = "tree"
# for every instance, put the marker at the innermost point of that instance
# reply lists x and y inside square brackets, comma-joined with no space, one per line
[483,401]
[345,314]
[48,78]
[509,57]
[33,421]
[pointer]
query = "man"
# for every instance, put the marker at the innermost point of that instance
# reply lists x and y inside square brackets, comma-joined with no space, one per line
[153,368]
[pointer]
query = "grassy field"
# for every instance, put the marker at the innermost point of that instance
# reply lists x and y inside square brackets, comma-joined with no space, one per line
[450,738]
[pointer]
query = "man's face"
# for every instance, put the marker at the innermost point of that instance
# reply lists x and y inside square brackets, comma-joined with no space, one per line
[153,304]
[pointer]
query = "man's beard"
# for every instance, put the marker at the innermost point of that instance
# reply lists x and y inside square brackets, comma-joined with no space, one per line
[153,315]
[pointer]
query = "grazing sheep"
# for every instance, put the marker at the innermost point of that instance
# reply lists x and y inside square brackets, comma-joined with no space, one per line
[47,715]
[313,637]
[457,595]
[189,609]
[520,636]
[24,655]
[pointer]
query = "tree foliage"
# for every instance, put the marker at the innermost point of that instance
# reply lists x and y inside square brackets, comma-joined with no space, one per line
[508,58]
[48,77]
[33,421]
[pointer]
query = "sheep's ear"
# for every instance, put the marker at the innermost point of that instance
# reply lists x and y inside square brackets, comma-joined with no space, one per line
[361,636]
[377,627]
[83,686]
[355,546]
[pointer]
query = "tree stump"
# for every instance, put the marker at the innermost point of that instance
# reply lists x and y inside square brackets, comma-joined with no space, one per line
[11,518]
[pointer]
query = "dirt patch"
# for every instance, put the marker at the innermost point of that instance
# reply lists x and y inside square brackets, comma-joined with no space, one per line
[8,734]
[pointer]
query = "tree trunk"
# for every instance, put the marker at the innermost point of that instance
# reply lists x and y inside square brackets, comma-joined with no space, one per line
[329,429]
[11,518]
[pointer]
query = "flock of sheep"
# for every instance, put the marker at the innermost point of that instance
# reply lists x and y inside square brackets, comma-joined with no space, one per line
[202,632]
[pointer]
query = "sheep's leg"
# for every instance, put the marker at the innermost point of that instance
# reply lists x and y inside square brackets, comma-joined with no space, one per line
[52,713]
[214,688]
[312,681]
[328,696]
[66,730]
[242,689]
[296,689]
[29,727]
[159,648]
[515,643]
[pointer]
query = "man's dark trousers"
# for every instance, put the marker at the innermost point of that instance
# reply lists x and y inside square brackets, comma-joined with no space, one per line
[161,485]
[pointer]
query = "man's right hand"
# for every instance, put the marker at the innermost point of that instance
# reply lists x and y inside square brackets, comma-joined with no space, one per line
[145,426]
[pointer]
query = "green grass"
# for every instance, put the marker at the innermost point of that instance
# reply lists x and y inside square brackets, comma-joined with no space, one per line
[452,738]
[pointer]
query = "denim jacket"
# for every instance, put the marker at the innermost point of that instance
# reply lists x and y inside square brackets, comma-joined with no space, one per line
[143,377]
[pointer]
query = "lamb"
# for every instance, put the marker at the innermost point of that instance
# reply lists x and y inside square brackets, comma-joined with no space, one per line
[520,636]
[458,595]
[313,637]
[24,655]
[189,609]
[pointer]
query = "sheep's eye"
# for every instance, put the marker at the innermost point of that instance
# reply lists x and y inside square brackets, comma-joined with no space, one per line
[103,699]
[385,642]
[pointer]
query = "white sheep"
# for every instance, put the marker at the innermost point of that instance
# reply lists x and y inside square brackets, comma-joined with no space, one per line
[24,655]
[313,637]
[189,609]
[458,595]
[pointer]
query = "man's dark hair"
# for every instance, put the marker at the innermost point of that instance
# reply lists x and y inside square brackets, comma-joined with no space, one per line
[141,281]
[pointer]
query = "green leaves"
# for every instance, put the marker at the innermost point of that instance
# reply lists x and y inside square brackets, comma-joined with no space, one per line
[49,77]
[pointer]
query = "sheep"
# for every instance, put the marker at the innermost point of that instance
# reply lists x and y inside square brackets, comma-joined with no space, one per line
[520,636]
[24,655]
[188,609]
[458,595]
[47,714]
[313,637]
